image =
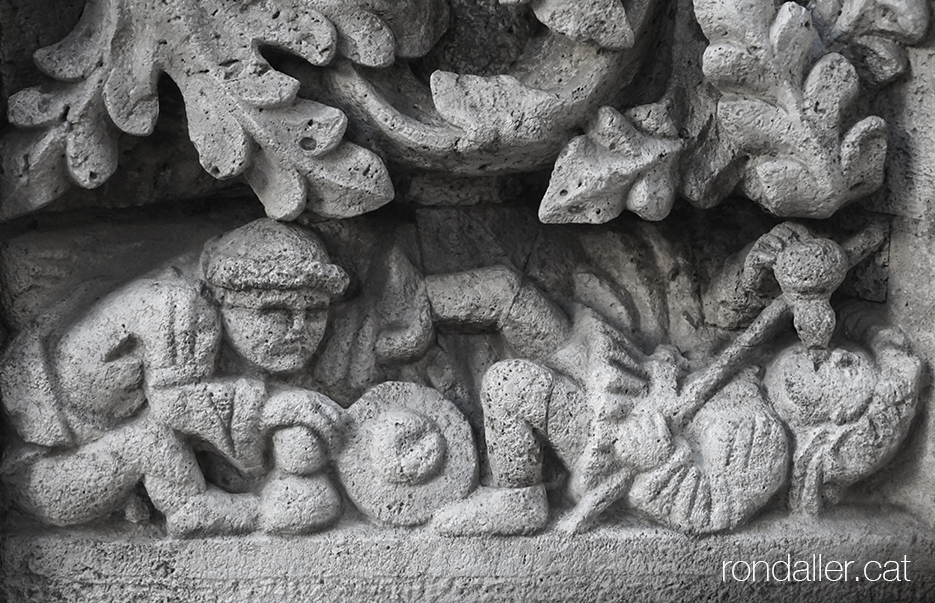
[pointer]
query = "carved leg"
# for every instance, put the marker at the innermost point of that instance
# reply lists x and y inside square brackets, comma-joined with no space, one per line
[99,477]
[177,487]
[515,395]
[73,487]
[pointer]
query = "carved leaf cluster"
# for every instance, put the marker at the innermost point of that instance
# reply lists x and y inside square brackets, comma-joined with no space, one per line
[244,117]
[871,33]
[612,167]
[785,112]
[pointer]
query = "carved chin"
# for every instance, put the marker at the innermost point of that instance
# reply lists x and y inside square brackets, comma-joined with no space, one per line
[289,360]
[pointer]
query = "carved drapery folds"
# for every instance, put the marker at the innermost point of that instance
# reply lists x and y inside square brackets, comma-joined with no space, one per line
[451,366]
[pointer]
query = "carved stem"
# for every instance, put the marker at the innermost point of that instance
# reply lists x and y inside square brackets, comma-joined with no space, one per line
[700,386]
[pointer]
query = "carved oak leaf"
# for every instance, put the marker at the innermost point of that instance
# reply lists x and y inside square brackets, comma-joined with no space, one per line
[870,33]
[244,117]
[612,167]
[374,32]
[784,117]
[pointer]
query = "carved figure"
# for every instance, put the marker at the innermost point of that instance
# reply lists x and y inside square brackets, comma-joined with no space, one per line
[613,417]
[133,385]
[682,449]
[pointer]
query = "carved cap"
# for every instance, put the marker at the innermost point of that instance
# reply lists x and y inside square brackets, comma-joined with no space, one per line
[266,254]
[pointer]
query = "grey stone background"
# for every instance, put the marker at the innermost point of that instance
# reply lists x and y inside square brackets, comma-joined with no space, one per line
[615,562]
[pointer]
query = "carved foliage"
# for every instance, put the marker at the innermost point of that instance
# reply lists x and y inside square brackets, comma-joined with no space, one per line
[870,32]
[603,22]
[244,117]
[612,167]
[787,113]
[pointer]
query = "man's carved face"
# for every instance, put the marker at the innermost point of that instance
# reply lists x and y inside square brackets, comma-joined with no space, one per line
[277,331]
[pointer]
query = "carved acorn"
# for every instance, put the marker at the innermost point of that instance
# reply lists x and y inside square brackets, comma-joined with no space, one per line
[808,273]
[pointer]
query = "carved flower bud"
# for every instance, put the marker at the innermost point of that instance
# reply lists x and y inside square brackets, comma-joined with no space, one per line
[815,267]
[808,273]
[837,390]
[814,321]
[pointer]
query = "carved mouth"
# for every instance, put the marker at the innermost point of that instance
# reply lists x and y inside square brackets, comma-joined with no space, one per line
[483,124]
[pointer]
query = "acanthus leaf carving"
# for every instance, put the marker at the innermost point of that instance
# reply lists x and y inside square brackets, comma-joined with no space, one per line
[603,22]
[871,33]
[611,168]
[785,117]
[244,116]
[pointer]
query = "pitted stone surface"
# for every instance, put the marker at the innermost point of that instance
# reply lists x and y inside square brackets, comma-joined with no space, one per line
[491,300]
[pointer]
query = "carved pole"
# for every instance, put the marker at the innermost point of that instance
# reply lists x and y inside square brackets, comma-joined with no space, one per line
[700,386]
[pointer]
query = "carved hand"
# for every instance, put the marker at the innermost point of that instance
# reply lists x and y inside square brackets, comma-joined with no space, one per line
[763,255]
[643,440]
[317,412]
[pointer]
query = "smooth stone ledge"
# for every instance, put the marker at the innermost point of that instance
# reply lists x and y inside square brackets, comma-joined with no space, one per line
[358,562]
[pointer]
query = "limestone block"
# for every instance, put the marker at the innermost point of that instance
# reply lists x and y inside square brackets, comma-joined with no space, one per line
[496,300]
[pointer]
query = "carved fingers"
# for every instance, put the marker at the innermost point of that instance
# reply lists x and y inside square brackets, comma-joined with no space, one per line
[315,411]
[766,251]
[643,440]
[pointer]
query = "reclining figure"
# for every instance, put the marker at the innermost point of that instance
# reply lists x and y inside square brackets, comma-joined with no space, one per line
[170,364]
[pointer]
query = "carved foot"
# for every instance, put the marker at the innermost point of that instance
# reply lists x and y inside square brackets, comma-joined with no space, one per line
[214,512]
[292,504]
[505,511]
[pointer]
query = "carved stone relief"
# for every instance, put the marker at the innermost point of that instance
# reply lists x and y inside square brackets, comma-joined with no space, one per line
[475,269]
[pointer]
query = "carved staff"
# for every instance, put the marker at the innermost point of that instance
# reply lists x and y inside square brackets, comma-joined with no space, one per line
[807,276]
[804,286]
